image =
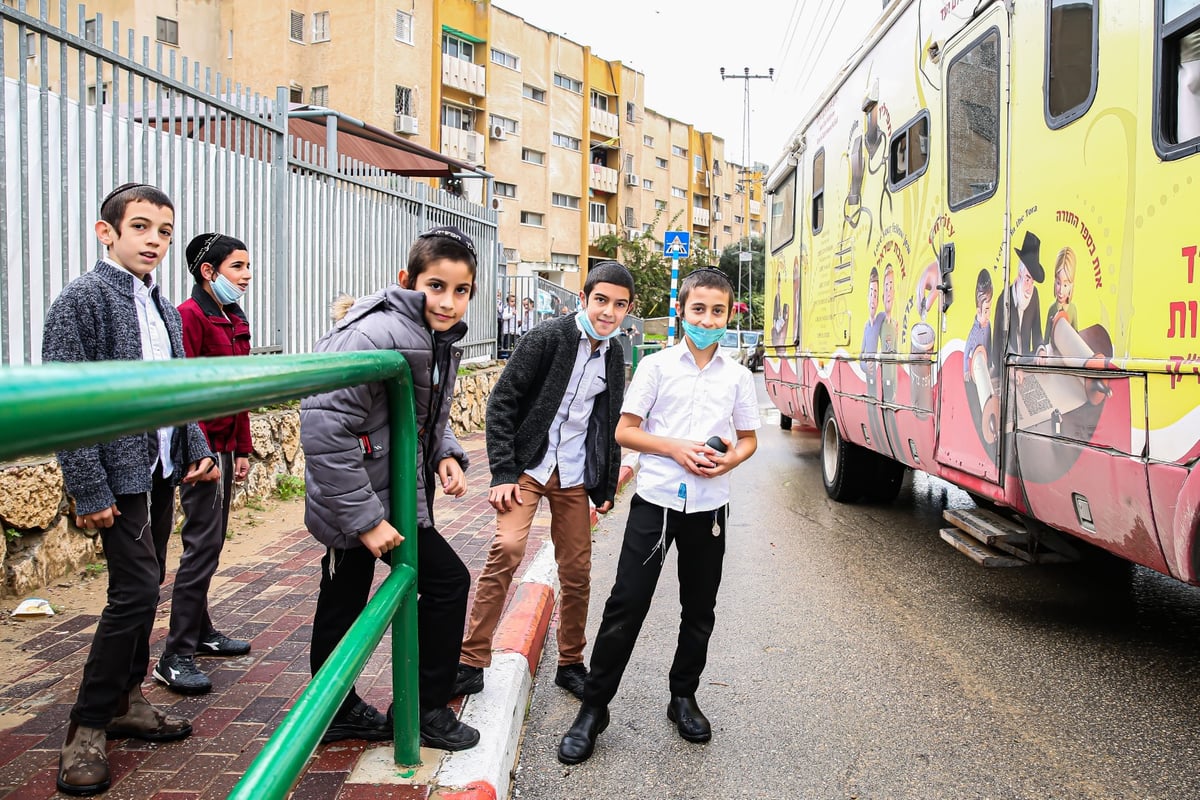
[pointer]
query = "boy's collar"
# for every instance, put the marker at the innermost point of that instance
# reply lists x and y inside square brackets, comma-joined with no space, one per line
[147,282]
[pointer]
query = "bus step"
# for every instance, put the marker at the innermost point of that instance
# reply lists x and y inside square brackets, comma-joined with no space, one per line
[1003,535]
[977,551]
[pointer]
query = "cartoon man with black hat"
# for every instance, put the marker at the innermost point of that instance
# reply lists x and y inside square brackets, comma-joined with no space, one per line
[1018,327]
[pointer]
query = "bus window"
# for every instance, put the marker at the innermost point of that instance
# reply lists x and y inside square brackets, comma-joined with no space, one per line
[909,152]
[973,102]
[783,212]
[818,195]
[1071,51]
[1177,101]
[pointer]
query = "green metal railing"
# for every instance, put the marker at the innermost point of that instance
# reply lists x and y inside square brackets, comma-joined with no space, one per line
[57,407]
[640,351]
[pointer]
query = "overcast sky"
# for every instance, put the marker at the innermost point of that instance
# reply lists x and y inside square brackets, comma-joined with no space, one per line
[680,46]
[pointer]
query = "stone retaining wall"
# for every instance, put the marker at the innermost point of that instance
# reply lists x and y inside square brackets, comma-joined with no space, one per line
[41,543]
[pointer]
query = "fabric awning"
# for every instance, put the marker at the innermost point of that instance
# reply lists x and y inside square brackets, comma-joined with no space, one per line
[400,156]
[462,35]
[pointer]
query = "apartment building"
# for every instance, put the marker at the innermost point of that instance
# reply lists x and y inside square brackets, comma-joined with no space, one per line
[574,152]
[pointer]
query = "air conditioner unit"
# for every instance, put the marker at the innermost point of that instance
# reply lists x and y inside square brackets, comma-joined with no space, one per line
[632,233]
[497,204]
[406,124]
[498,133]
[631,180]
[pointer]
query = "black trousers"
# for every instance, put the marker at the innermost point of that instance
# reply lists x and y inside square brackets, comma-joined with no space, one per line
[206,519]
[135,548]
[443,583]
[701,555]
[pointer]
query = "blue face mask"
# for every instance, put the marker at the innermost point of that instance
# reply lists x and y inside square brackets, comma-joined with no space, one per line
[703,338]
[590,330]
[226,290]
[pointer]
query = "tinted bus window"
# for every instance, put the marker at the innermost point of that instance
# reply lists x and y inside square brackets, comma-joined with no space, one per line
[1177,99]
[1071,51]
[818,195]
[973,101]
[783,212]
[909,154]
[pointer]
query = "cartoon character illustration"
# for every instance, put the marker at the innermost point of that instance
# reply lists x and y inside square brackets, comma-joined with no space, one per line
[889,334]
[1064,290]
[977,371]
[1018,325]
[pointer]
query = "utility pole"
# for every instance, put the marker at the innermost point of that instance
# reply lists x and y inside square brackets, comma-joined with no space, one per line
[746,256]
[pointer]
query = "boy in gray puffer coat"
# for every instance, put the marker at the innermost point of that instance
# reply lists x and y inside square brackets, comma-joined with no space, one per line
[344,434]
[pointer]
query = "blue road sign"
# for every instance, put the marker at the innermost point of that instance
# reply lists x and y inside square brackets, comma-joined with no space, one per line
[677,244]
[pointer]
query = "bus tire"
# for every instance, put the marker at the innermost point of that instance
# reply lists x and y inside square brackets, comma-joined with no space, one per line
[884,480]
[842,462]
[785,422]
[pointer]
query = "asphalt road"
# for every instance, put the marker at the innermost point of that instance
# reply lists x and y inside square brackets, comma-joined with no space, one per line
[858,656]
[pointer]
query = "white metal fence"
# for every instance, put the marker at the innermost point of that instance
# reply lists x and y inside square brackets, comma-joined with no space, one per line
[79,118]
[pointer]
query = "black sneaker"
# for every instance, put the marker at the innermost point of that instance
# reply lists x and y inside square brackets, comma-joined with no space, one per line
[179,674]
[441,729]
[218,644]
[361,722]
[571,677]
[468,681]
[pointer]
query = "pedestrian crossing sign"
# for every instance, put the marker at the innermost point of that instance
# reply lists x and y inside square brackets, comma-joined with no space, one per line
[677,244]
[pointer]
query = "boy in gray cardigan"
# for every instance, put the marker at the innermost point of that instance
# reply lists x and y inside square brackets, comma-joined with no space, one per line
[124,488]
[550,424]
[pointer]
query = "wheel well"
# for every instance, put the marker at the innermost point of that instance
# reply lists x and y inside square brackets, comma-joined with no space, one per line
[821,401]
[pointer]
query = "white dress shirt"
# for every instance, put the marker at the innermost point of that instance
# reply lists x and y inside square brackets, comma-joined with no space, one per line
[156,346]
[677,399]
[568,432]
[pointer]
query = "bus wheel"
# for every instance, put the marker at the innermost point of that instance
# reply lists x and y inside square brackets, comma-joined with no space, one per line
[841,462]
[785,422]
[884,480]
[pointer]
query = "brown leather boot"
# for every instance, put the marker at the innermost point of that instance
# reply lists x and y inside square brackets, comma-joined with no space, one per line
[137,719]
[83,764]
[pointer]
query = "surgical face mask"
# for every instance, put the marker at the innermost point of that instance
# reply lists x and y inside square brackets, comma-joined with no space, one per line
[226,290]
[703,338]
[590,330]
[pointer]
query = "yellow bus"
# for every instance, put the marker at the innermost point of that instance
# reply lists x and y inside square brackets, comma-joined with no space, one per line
[982,264]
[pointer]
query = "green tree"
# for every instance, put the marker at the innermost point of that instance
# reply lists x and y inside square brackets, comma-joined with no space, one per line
[752,279]
[643,256]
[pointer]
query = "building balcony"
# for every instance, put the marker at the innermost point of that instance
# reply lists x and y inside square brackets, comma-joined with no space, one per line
[603,123]
[603,179]
[598,229]
[463,145]
[463,75]
[700,216]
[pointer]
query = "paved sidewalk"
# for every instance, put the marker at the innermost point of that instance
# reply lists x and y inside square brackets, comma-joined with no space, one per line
[271,604]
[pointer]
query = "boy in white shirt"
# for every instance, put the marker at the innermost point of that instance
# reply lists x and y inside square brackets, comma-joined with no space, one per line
[679,399]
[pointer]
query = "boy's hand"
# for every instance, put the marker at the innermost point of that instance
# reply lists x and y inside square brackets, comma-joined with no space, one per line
[97,519]
[382,538]
[504,495]
[454,482]
[241,468]
[604,509]
[206,469]
[695,457]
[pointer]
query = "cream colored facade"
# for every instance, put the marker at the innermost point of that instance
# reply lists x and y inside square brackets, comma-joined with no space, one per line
[574,152]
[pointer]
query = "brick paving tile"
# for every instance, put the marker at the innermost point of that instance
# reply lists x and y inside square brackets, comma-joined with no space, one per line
[337,757]
[364,791]
[221,786]
[196,773]
[264,672]
[212,721]
[319,786]
[261,709]
[236,737]
[175,795]
[38,787]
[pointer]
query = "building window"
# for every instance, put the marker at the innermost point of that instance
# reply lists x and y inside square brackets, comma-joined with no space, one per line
[501,189]
[647,183]
[630,112]
[564,201]
[504,123]
[296,93]
[532,156]
[89,30]
[677,192]
[909,152]
[698,163]
[321,26]
[31,43]
[565,260]
[570,84]
[676,150]
[404,27]
[973,100]
[716,167]
[532,218]
[562,140]
[458,117]
[660,205]
[1071,49]
[818,192]
[320,96]
[597,212]
[97,96]
[661,163]
[167,30]
[533,93]
[404,101]
[648,141]
[458,48]
[599,101]
[1177,101]
[296,27]
[505,59]
[630,222]
[230,54]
